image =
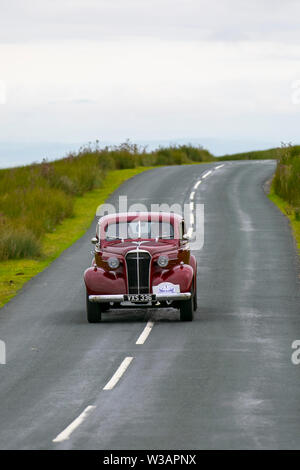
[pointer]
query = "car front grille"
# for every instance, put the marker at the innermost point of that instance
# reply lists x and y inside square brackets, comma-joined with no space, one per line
[138,269]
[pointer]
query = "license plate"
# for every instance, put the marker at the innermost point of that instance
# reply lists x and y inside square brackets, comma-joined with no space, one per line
[139,297]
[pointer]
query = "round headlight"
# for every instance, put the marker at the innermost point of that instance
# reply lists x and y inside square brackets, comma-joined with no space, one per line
[163,261]
[113,263]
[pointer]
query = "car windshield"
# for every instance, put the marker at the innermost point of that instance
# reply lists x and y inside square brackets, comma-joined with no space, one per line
[139,229]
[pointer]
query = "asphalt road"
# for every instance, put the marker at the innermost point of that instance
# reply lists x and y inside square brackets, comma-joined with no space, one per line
[224,381]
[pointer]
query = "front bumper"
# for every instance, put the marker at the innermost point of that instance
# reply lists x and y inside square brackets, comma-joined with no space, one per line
[120,297]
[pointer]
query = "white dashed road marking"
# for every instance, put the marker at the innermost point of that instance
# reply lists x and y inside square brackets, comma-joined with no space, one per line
[145,333]
[64,435]
[206,174]
[118,374]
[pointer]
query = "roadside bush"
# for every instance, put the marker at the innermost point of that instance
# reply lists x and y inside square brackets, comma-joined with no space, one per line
[287,176]
[171,156]
[16,243]
[297,213]
[196,154]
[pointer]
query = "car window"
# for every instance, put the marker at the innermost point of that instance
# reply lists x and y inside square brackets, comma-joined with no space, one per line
[139,229]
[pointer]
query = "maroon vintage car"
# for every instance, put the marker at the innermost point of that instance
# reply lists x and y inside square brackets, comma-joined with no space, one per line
[141,259]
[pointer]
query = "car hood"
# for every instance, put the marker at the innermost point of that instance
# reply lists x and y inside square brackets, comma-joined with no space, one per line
[152,247]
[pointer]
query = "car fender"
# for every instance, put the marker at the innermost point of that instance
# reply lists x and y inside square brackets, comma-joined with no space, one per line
[181,274]
[193,263]
[100,282]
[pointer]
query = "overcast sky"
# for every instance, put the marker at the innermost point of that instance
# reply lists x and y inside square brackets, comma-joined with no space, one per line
[78,70]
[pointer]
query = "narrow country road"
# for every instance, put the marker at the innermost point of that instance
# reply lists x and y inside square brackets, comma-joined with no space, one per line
[224,381]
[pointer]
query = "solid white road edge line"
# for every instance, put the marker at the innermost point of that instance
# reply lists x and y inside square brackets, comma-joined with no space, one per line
[118,374]
[192,219]
[145,333]
[64,435]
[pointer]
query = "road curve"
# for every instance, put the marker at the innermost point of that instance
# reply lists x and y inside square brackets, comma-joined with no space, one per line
[224,381]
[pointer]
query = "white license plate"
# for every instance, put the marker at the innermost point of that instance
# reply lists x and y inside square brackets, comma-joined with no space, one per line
[139,297]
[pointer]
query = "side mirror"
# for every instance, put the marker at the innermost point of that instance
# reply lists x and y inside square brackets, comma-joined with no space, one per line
[94,240]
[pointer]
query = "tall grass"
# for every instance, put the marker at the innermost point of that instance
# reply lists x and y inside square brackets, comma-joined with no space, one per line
[37,197]
[286,181]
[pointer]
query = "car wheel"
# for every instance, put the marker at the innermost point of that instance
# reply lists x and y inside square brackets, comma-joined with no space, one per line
[93,311]
[186,308]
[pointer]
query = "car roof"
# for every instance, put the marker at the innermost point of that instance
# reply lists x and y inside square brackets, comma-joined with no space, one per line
[129,216]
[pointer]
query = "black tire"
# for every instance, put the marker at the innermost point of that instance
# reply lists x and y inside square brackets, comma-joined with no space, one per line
[195,295]
[187,308]
[93,311]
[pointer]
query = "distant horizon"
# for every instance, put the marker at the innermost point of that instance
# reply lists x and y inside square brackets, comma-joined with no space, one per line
[25,153]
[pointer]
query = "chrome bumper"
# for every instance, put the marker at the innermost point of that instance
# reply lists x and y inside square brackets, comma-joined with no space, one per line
[120,297]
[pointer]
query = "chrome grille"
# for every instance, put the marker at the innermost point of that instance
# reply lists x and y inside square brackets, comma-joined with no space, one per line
[138,270]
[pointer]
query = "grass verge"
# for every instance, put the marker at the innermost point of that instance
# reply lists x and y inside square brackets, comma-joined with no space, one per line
[14,273]
[288,211]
